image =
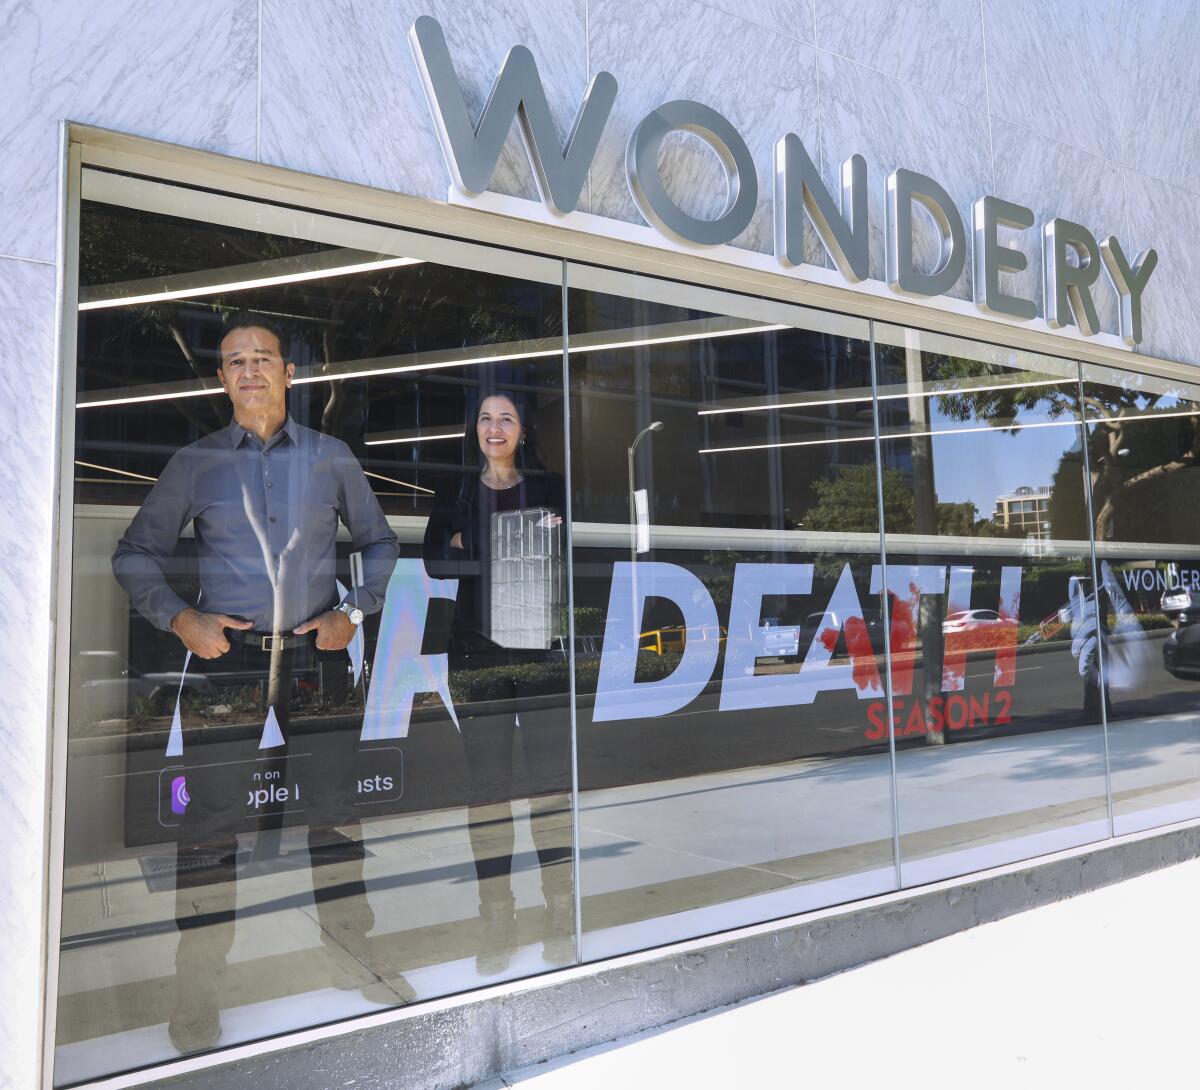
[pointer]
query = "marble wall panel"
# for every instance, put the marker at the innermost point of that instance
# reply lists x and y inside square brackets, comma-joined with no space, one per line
[27,445]
[1161,100]
[1054,179]
[1167,218]
[936,44]
[791,17]
[1056,69]
[189,78]
[763,82]
[894,124]
[341,96]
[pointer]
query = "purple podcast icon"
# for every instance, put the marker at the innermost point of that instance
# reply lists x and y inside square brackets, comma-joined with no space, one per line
[179,795]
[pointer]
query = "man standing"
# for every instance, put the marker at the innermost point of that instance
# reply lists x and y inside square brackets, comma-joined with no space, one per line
[264,496]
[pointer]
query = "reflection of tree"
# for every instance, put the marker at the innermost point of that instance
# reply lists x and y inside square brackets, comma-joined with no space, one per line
[1067,508]
[720,567]
[1138,442]
[1133,462]
[991,528]
[1136,484]
[589,621]
[1133,457]
[849,503]
[956,519]
[964,391]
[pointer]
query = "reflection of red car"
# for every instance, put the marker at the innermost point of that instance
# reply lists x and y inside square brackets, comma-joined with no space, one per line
[980,629]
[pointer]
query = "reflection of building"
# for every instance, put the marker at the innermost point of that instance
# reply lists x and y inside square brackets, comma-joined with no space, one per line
[1027,509]
[526,599]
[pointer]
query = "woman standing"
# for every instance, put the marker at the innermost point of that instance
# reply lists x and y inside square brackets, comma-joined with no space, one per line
[501,538]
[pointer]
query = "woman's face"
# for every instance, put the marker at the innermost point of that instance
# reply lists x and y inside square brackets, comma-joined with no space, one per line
[499,430]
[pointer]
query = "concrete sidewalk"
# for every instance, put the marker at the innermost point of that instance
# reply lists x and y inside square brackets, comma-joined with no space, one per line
[1102,990]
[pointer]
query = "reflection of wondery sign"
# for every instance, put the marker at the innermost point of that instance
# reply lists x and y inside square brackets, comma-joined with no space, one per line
[1071,257]
[1153,578]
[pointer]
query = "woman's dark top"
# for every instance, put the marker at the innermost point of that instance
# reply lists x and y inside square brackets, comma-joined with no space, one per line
[469,513]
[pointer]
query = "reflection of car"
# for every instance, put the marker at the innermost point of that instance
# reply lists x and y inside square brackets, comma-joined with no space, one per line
[968,620]
[673,639]
[779,639]
[816,624]
[1181,649]
[1181,652]
[980,629]
[1176,601]
[586,647]
[108,685]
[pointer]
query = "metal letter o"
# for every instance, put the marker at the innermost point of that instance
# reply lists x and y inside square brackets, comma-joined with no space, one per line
[641,168]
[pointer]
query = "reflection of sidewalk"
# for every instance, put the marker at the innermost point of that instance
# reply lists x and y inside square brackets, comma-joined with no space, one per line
[1085,992]
[661,861]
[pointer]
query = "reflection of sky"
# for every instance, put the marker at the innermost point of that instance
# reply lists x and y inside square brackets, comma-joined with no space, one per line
[979,466]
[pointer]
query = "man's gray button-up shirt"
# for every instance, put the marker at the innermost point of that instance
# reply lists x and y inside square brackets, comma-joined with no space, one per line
[266,520]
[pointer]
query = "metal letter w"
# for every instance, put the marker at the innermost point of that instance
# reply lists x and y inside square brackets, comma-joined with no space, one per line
[472,151]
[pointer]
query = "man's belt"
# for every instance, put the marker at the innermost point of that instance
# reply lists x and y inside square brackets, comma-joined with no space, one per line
[256,641]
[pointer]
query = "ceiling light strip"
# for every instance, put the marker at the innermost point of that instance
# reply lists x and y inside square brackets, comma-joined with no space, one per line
[895,435]
[1140,418]
[394,480]
[413,438]
[248,285]
[866,396]
[113,469]
[470,361]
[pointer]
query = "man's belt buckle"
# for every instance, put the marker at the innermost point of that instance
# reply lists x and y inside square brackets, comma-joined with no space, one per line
[272,643]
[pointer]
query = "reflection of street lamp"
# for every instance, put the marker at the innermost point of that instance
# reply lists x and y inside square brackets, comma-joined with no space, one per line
[656,426]
[633,538]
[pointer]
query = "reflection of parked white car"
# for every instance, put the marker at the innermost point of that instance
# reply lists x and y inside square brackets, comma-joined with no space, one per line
[107,685]
[777,639]
[980,629]
[1173,601]
[970,620]
[586,647]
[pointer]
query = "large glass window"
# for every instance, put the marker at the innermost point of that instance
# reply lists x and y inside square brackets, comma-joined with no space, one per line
[336,475]
[433,626]
[1143,441]
[726,549]
[1000,745]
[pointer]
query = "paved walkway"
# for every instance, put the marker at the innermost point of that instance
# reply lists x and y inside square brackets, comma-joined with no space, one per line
[1099,991]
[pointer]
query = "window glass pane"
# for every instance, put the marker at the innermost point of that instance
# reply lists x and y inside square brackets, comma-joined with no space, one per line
[1143,441]
[726,764]
[1000,747]
[280,829]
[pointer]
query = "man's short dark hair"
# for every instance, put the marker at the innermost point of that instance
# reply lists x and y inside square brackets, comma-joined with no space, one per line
[247,319]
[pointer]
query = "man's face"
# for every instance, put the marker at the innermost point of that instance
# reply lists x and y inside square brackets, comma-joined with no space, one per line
[253,372]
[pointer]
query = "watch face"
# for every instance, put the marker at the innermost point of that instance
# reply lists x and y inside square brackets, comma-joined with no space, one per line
[355,615]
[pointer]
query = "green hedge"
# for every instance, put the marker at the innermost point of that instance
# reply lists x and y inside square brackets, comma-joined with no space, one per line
[546,678]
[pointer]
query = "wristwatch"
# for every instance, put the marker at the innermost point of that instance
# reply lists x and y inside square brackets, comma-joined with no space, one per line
[353,613]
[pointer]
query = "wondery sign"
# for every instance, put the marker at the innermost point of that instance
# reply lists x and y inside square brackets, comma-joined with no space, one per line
[802,202]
